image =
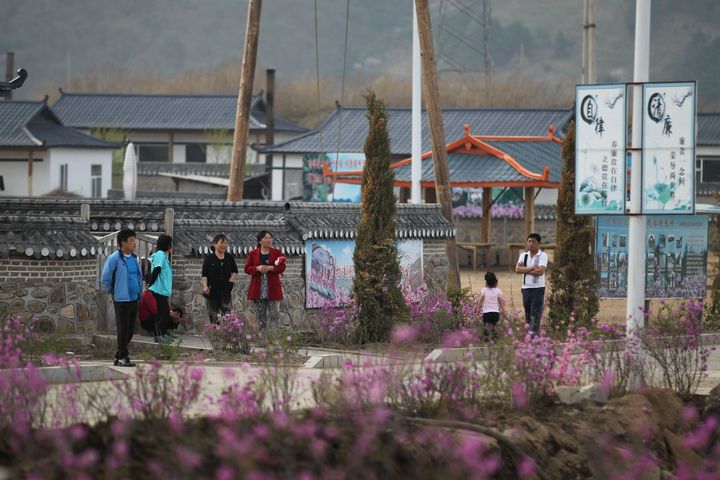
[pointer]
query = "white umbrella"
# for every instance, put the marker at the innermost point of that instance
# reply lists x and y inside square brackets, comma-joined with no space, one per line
[130,172]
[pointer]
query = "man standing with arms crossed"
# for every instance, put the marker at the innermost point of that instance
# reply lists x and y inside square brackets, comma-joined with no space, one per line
[121,278]
[532,265]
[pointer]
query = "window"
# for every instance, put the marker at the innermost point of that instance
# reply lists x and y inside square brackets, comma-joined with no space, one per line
[293,183]
[153,153]
[63,177]
[710,169]
[195,153]
[96,180]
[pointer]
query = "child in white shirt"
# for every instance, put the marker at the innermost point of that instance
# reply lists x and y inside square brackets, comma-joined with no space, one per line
[492,301]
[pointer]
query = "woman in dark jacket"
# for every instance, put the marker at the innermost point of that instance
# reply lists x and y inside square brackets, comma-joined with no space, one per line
[264,265]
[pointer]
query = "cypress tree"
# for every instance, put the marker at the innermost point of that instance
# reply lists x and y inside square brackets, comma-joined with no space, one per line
[573,280]
[376,287]
[713,310]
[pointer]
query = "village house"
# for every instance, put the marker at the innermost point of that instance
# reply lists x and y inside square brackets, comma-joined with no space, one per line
[183,142]
[40,155]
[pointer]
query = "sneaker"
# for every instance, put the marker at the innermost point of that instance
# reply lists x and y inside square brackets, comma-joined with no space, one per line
[166,339]
[125,362]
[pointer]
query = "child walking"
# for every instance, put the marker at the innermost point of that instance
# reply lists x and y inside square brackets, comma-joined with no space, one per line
[492,301]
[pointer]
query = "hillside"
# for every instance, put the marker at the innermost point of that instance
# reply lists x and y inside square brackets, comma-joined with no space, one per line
[60,42]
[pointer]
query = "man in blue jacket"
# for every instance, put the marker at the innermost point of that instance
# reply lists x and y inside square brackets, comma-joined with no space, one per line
[122,279]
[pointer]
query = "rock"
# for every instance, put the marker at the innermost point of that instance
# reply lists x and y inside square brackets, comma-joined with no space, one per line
[712,403]
[45,325]
[17,305]
[57,296]
[570,395]
[90,291]
[668,407]
[6,296]
[36,306]
[83,314]
[40,293]
[68,311]
[7,287]
[65,326]
[52,310]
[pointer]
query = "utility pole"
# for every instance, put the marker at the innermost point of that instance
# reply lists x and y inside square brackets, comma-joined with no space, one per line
[269,115]
[637,222]
[588,58]
[242,117]
[437,134]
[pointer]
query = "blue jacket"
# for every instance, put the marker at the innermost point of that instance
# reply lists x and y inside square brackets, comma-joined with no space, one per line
[114,277]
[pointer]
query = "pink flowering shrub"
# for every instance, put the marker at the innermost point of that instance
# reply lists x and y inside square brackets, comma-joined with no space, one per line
[336,321]
[233,332]
[432,314]
[672,339]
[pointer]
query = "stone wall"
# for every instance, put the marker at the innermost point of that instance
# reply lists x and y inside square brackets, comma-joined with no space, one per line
[187,287]
[60,293]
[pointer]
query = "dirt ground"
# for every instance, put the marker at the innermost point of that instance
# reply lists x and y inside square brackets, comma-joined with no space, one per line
[509,282]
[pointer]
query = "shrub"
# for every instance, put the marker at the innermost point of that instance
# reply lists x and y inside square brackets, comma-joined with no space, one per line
[233,332]
[336,321]
[672,339]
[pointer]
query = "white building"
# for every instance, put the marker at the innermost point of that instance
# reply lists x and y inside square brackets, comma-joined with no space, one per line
[39,155]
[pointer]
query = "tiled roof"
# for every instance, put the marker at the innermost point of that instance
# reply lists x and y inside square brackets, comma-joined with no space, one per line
[196,222]
[340,220]
[194,237]
[465,167]
[534,156]
[32,124]
[55,237]
[160,112]
[506,122]
[708,129]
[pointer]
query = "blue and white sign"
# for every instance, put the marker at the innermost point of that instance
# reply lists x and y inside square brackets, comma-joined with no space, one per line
[346,162]
[600,149]
[668,148]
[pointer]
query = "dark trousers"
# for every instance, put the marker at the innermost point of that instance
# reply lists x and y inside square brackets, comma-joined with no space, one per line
[217,306]
[125,315]
[534,302]
[162,320]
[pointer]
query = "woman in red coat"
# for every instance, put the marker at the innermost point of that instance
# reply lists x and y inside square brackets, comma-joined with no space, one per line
[264,265]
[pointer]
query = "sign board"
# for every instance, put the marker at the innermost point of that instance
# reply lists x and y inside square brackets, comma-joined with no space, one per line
[600,149]
[315,185]
[329,268]
[675,256]
[668,148]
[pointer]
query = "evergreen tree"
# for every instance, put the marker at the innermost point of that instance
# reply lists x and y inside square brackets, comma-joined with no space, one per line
[713,317]
[376,287]
[573,280]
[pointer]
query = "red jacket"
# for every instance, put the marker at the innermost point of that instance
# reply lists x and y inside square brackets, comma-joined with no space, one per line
[274,288]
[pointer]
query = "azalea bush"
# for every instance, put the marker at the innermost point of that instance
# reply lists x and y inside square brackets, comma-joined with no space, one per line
[336,320]
[233,332]
[672,339]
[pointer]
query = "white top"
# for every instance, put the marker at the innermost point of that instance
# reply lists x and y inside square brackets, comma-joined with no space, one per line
[539,260]
[491,299]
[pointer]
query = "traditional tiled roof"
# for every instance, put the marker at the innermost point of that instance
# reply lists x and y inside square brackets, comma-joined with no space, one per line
[708,129]
[161,112]
[482,121]
[33,125]
[340,220]
[43,236]
[196,222]
[150,169]
[194,237]
[484,161]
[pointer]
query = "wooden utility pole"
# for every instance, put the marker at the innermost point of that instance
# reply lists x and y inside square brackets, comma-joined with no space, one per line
[269,114]
[437,133]
[242,117]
